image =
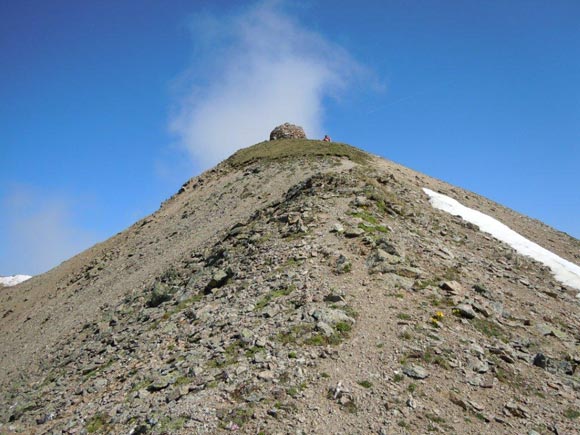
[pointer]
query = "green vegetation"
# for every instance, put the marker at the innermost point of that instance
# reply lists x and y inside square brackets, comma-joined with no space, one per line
[424,283]
[405,335]
[435,418]
[294,333]
[98,369]
[183,305]
[365,384]
[283,148]
[373,228]
[168,424]
[273,295]
[96,423]
[572,414]
[489,328]
[452,273]
[296,390]
[398,377]
[240,416]
[342,332]
[366,216]
[403,424]
[343,327]
[140,385]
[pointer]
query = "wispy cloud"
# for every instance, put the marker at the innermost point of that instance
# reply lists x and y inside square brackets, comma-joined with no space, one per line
[39,232]
[252,71]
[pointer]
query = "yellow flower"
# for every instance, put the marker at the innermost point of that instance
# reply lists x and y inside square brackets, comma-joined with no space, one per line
[439,315]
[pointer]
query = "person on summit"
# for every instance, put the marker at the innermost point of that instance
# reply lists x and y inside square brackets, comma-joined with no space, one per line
[326,138]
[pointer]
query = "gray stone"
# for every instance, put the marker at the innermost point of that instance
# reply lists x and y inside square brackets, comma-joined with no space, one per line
[218,279]
[337,228]
[325,328]
[453,287]
[466,311]
[331,316]
[354,232]
[246,336]
[343,265]
[479,366]
[160,383]
[266,375]
[415,371]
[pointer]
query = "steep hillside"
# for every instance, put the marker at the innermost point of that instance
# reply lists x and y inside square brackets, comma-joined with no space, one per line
[298,287]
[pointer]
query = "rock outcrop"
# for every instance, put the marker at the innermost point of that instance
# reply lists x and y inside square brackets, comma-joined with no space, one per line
[287,131]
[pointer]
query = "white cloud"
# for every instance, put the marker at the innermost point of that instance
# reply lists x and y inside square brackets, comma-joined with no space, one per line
[39,232]
[252,71]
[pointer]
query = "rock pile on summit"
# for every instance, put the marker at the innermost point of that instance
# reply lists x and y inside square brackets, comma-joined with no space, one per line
[287,131]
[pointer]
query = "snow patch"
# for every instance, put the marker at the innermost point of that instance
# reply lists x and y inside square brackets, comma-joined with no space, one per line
[564,271]
[9,281]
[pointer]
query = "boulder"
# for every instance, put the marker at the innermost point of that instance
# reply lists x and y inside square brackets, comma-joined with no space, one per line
[287,131]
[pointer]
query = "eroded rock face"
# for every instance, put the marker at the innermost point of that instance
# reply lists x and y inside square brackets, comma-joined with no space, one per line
[287,131]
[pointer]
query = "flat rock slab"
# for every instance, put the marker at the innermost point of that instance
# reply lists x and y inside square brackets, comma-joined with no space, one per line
[415,371]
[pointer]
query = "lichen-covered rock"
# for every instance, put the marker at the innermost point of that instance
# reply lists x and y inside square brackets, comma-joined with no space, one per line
[287,131]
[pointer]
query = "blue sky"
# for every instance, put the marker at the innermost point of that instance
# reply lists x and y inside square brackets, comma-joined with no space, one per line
[108,107]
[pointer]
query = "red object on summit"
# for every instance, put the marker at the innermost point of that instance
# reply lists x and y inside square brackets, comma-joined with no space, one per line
[326,138]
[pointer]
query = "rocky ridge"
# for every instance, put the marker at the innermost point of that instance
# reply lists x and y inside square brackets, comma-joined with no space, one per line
[317,293]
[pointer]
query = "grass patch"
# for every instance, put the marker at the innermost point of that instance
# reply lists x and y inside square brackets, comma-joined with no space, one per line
[323,340]
[365,384]
[264,301]
[422,284]
[398,377]
[239,416]
[140,385]
[452,274]
[169,425]
[572,414]
[373,228]
[507,376]
[284,148]
[294,334]
[488,328]
[303,335]
[98,369]
[97,423]
[365,216]
[403,424]
[343,327]
[404,316]
[405,335]
[398,295]
[435,418]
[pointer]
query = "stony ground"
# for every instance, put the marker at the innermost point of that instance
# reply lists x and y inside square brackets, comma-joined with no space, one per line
[302,295]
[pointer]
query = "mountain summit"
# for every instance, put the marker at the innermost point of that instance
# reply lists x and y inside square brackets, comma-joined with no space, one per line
[299,287]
